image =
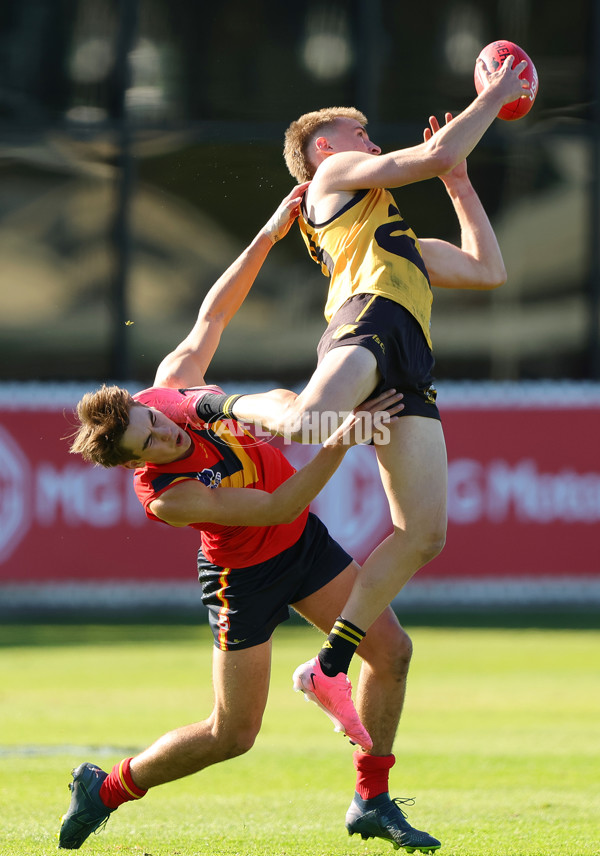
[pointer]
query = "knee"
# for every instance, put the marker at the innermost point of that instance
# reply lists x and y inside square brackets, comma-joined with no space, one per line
[434,544]
[400,654]
[308,422]
[430,544]
[233,743]
[392,648]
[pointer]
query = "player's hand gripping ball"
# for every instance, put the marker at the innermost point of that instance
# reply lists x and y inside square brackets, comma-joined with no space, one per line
[493,56]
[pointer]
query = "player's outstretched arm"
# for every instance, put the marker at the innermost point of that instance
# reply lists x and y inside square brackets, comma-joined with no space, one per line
[352,170]
[192,502]
[187,364]
[478,262]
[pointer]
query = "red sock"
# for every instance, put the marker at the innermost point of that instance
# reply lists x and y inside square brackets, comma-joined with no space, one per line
[373,773]
[118,787]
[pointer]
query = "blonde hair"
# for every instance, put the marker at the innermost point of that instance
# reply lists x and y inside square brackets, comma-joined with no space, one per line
[303,130]
[103,419]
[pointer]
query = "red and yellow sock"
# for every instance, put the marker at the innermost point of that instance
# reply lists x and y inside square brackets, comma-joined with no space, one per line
[118,787]
[373,772]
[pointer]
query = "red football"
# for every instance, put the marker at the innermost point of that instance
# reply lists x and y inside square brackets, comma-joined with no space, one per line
[493,56]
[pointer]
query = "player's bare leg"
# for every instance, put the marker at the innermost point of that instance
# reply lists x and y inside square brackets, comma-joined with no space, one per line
[241,685]
[333,694]
[380,698]
[385,652]
[413,468]
[344,378]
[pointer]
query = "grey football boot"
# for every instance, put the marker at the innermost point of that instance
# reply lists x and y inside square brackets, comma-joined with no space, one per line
[382,817]
[86,811]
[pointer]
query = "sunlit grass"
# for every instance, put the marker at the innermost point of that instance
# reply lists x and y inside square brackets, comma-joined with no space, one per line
[499,743]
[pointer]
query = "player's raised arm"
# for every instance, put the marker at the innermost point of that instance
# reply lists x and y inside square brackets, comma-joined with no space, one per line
[356,169]
[478,262]
[186,365]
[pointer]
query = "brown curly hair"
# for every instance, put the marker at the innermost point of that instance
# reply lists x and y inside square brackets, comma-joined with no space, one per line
[104,417]
[303,130]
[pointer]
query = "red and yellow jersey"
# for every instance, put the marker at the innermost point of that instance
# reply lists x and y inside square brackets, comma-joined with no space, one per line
[223,455]
[367,248]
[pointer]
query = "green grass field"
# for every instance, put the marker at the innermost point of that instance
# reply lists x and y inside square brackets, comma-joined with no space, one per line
[499,743]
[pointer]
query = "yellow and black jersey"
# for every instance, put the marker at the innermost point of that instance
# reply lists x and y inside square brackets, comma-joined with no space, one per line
[367,248]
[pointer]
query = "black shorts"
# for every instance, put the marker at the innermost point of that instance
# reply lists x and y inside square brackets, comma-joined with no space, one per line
[395,338]
[245,605]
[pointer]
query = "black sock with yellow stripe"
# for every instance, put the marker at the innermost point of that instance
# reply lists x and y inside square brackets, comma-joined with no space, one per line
[339,647]
[216,405]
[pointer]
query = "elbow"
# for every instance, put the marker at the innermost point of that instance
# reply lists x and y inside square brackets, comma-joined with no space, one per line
[289,516]
[442,155]
[501,280]
[283,513]
[495,279]
[442,160]
[269,509]
[445,165]
[212,317]
[167,514]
